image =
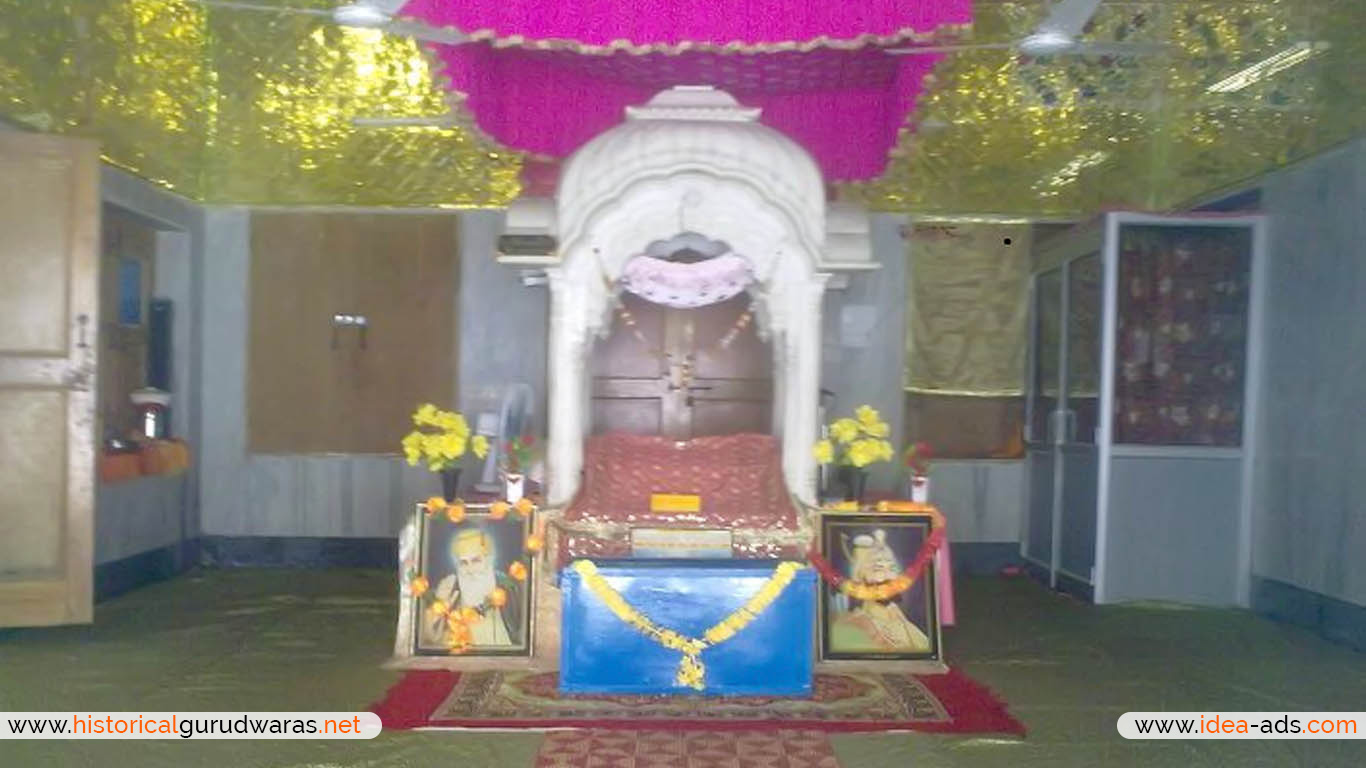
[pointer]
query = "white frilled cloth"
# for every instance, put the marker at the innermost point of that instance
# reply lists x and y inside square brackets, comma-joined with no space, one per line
[687,285]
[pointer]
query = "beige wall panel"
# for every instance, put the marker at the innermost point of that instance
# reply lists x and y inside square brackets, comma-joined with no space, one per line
[32,487]
[35,253]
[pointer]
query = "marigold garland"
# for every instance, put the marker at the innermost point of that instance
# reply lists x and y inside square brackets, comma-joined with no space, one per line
[459,636]
[887,589]
[691,671]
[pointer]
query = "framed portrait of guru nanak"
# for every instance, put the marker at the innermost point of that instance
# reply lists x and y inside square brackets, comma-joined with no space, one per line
[878,615]
[477,584]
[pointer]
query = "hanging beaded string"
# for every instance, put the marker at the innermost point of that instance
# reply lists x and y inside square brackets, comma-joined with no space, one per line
[686,364]
[741,323]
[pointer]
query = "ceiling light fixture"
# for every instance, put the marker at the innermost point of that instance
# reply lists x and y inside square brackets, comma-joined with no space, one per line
[1296,54]
[1072,170]
[360,15]
[440,121]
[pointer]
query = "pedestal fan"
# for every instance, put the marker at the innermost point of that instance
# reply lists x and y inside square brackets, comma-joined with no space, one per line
[514,418]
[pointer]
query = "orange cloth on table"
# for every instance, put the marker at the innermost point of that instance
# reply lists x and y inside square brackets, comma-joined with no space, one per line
[164,457]
[119,467]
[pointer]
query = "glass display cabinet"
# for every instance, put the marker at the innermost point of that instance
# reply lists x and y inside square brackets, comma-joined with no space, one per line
[1142,367]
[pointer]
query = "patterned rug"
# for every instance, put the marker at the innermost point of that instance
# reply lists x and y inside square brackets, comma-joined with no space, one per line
[949,702]
[600,748]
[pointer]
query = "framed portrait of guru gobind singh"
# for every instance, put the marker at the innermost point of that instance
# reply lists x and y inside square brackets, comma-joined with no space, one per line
[879,607]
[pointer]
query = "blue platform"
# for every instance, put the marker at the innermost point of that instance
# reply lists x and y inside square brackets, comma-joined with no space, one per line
[772,656]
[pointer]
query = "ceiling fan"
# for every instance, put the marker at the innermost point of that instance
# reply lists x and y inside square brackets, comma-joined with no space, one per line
[367,14]
[1056,35]
[370,14]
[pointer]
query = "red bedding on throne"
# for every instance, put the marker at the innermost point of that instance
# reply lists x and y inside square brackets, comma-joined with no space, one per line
[738,477]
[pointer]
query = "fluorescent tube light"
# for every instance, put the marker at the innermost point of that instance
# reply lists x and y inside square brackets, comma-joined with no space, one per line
[437,121]
[1296,54]
[1072,170]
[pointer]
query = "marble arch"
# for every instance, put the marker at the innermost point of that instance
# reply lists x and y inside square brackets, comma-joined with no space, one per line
[691,160]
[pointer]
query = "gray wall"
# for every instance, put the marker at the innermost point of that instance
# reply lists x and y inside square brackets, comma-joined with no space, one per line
[868,369]
[1309,520]
[154,512]
[502,337]
[983,500]
[503,329]
[504,325]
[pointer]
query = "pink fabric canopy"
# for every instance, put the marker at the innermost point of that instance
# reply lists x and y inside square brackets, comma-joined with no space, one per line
[545,77]
[693,24]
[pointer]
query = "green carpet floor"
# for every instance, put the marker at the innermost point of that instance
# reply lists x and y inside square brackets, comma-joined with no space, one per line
[258,640]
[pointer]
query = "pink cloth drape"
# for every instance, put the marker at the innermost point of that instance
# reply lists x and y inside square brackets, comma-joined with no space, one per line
[687,23]
[834,90]
[943,579]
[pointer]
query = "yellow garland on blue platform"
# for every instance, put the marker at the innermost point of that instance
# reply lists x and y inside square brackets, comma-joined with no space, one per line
[691,671]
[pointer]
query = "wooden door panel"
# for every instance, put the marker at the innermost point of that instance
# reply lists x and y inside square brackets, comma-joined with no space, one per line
[35,250]
[49,337]
[746,357]
[316,388]
[636,416]
[718,417]
[32,483]
[622,354]
[639,388]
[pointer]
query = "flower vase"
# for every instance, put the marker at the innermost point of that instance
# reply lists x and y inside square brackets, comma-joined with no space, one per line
[514,483]
[450,483]
[920,488]
[854,481]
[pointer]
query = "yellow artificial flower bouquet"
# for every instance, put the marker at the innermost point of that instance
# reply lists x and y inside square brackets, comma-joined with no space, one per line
[441,439]
[856,442]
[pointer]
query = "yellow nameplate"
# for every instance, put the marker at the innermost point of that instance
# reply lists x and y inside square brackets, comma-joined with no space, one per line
[675,502]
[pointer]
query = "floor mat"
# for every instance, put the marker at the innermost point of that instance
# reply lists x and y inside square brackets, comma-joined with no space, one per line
[949,702]
[601,748]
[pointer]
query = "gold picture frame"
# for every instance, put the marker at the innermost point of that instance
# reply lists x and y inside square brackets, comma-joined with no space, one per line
[477,552]
[876,547]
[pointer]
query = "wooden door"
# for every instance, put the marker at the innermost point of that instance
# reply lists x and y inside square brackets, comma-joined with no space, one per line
[49,223]
[398,272]
[127,251]
[671,374]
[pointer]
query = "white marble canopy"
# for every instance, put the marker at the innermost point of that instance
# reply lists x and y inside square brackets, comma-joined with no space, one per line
[691,160]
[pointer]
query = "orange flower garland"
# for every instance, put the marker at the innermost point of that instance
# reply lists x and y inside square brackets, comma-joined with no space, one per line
[459,636]
[418,586]
[459,622]
[886,590]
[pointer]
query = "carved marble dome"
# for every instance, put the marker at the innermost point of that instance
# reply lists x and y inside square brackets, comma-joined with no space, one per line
[698,129]
[694,162]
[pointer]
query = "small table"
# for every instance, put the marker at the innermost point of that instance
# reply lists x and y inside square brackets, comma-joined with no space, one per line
[943,561]
[773,655]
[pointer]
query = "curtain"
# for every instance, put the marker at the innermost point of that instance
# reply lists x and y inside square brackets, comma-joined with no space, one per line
[968,308]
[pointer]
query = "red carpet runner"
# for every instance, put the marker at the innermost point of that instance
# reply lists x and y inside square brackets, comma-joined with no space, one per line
[600,748]
[948,703]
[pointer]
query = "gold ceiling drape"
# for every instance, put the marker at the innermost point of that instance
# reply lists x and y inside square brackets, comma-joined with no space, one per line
[245,107]
[225,105]
[967,308]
